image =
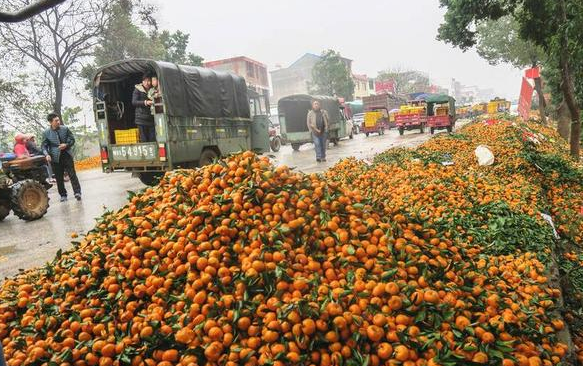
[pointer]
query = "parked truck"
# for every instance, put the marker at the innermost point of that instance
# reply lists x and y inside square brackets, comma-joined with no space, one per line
[201,115]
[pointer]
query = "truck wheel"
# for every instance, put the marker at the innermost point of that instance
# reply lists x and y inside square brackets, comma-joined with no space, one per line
[150,178]
[401,131]
[366,133]
[296,147]
[335,142]
[275,144]
[4,209]
[449,129]
[432,130]
[422,129]
[30,200]
[207,157]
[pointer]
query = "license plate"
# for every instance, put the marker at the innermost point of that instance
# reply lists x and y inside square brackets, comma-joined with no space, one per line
[134,152]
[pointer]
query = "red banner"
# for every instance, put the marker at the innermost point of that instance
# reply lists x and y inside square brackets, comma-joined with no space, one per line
[387,86]
[525,101]
[533,73]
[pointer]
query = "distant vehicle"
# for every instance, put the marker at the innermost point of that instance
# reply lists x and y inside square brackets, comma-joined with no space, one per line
[202,115]
[412,116]
[358,120]
[375,121]
[275,140]
[441,112]
[382,103]
[293,111]
[498,105]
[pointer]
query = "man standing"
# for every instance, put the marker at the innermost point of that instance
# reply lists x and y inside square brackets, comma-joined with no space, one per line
[318,122]
[57,143]
[144,118]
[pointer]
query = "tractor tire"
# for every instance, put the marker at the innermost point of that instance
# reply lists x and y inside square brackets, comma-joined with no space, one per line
[296,147]
[432,130]
[150,178]
[275,144]
[449,129]
[422,129]
[4,209]
[207,157]
[30,200]
[366,133]
[401,131]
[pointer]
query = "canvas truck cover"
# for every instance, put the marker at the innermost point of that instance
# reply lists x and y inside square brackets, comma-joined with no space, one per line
[188,91]
[295,110]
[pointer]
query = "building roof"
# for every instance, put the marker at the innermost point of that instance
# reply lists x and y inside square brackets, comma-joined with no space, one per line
[360,77]
[233,59]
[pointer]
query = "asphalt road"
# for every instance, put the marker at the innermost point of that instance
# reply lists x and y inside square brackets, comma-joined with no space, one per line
[24,245]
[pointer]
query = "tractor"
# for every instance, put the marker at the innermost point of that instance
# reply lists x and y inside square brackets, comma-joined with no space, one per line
[23,188]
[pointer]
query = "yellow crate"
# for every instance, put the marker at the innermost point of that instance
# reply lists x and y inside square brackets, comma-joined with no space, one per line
[371,118]
[131,136]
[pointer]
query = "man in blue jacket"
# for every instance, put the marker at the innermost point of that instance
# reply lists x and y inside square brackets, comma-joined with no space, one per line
[57,146]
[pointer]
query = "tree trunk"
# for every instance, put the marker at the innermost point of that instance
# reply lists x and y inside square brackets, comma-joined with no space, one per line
[564,121]
[569,89]
[58,102]
[538,86]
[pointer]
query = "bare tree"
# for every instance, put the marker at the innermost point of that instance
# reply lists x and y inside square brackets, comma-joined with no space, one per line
[55,41]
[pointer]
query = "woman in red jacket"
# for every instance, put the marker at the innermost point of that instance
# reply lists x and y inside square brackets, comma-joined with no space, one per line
[20,146]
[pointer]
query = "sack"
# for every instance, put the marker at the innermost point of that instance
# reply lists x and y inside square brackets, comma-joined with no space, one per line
[484,155]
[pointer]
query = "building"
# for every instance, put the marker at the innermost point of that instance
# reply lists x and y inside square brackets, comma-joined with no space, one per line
[296,78]
[362,86]
[254,72]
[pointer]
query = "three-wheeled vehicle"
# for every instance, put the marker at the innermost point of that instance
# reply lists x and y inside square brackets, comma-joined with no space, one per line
[412,116]
[293,111]
[201,115]
[440,112]
[375,121]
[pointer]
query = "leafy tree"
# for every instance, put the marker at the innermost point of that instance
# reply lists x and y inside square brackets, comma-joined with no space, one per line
[499,41]
[406,81]
[56,41]
[123,39]
[332,76]
[554,25]
[174,45]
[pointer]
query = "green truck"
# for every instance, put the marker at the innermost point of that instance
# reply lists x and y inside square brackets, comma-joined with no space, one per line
[201,115]
[293,112]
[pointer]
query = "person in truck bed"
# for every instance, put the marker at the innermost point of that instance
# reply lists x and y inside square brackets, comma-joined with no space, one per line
[144,118]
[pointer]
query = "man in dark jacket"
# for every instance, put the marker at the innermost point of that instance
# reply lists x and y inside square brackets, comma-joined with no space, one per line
[57,143]
[144,118]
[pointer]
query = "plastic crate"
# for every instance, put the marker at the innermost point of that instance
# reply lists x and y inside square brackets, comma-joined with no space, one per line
[131,136]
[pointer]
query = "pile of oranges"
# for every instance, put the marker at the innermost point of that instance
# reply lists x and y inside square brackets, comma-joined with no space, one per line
[244,263]
[93,162]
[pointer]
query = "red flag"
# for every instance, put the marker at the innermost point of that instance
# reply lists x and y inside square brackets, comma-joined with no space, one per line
[525,100]
[533,73]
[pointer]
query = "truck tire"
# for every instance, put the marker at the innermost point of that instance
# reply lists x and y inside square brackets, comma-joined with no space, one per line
[449,129]
[421,129]
[366,133]
[150,178]
[401,131]
[296,147]
[30,200]
[275,144]
[207,157]
[432,130]
[335,141]
[4,209]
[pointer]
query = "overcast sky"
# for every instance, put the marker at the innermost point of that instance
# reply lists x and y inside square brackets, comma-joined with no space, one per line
[376,34]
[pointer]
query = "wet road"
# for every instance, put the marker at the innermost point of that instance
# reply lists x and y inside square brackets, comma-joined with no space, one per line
[29,244]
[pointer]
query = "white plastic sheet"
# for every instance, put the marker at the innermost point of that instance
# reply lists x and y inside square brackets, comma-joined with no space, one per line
[484,155]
